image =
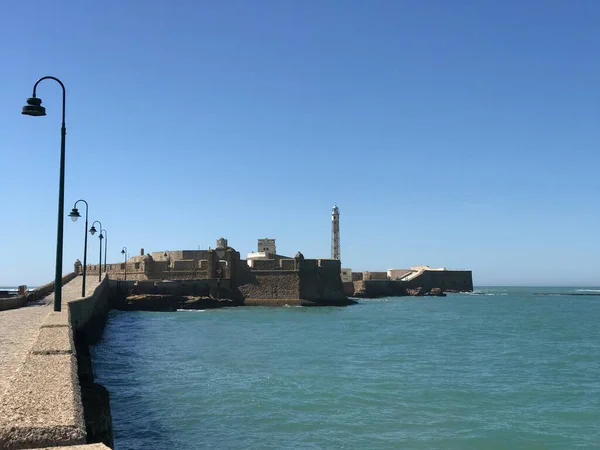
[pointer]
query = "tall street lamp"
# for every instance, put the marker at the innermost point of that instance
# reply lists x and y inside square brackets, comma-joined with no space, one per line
[93,232]
[124,252]
[103,234]
[74,215]
[34,108]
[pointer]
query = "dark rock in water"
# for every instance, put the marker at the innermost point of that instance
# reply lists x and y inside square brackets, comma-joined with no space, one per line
[159,302]
[190,302]
[436,292]
[416,292]
[421,291]
[163,302]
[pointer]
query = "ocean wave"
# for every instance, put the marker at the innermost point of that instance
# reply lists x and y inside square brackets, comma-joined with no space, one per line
[587,290]
[487,293]
[593,293]
[191,310]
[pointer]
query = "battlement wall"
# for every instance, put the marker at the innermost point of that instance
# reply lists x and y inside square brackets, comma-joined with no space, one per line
[447,280]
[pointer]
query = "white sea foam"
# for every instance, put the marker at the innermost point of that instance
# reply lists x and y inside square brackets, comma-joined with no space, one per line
[587,290]
[486,293]
[191,310]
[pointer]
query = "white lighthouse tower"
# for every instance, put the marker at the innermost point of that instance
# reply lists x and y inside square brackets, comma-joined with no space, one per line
[335,233]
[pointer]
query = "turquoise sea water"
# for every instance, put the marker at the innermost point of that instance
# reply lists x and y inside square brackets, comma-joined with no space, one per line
[503,370]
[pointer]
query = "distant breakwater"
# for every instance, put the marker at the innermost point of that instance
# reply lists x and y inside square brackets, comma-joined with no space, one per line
[573,294]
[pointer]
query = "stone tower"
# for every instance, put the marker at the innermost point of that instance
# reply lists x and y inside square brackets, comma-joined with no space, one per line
[335,233]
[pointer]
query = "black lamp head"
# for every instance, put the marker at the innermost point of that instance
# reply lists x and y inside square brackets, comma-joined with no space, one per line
[74,214]
[122,251]
[34,107]
[101,237]
[93,230]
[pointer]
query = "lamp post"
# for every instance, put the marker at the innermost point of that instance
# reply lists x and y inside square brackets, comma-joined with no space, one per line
[74,215]
[168,258]
[124,252]
[34,108]
[103,234]
[93,232]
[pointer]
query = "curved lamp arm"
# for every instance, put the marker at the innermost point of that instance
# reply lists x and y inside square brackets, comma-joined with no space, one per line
[64,92]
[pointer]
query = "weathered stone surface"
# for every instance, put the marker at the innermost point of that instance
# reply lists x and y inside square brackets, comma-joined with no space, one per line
[34,295]
[53,340]
[79,447]
[447,280]
[98,420]
[272,286]
[348,288]
[378,288]
[42,407]
[19,328]
[55,319]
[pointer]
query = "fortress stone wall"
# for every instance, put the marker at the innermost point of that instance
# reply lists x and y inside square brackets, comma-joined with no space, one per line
[447,280]
[178,265]
[312,280]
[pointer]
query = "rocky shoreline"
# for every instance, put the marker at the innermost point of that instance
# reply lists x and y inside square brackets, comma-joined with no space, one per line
[169,303]
[166,302]
[396,291]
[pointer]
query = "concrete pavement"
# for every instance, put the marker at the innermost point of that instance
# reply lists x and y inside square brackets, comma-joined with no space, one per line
[19,328]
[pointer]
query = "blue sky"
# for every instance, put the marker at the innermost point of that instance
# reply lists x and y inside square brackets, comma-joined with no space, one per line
[461,134]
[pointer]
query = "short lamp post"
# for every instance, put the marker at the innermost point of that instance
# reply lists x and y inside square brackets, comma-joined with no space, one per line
[93,232]
[104,234]
[34,108]
[168,258]
[124,252]
[74,215]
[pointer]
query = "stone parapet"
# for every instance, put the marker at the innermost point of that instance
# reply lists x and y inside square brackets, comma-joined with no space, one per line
[35,294]
[43,407]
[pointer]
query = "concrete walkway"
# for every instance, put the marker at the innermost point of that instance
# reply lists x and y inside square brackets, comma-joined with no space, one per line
[20,327]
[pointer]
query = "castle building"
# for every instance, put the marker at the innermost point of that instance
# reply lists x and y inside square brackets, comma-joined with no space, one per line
[267,245]
[266,249]
[346,275]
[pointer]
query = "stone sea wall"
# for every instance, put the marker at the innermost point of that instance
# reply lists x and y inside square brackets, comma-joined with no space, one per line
[314,283]
[442,280]
[320,281]
[35,294]
[271,284]
[378,288]
[447,280]
[44,406]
